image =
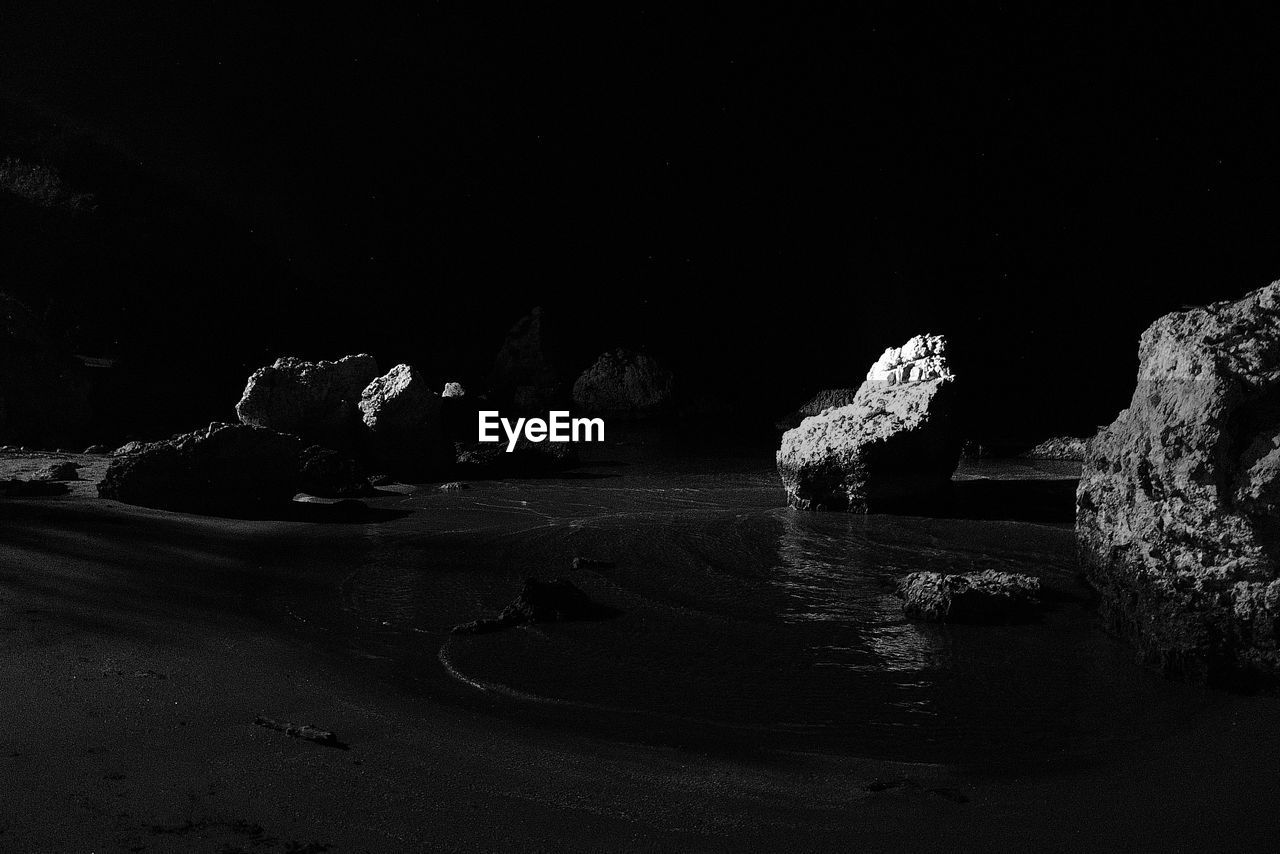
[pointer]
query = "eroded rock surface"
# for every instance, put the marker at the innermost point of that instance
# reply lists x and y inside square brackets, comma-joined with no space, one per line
[978,597]
[328,474]
[893,447]
[828,398]
[1178,509]
[403,418]
[623,383]
[315,400]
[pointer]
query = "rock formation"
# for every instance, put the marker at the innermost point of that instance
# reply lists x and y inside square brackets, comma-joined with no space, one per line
[1178,508]
[892,448]
[623,384]
[1057,448]
[403,418]
[528,370]
[226,468]
[63,470]
[44,393]
[453,390]
[540,602]
[315,400]
[978,597]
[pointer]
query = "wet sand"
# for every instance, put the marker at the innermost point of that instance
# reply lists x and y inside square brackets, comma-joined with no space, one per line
[137,647]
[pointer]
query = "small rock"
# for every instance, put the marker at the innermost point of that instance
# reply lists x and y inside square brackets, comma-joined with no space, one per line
[453,486]
[978,597]
[1067,448]
[541,602]
[453,390]
[57,471]
[98,449]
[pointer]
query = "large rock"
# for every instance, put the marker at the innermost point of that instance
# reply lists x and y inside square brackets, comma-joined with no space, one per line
[318,401]
[1177,509]
[529,369]
[403,417]
[623,384]
[989,596]
[227,468]
[44,392]
[894,447]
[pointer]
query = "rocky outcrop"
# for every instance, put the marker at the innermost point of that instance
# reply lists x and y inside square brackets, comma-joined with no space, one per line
[403,418]
[978,597]
[317,401]
[44,392]
[623,384]
[826,399]
[528,459]
[528,370]
[325,473]
[227,468]
[1178,508]
[540,602]
[1058,448]
[894,447]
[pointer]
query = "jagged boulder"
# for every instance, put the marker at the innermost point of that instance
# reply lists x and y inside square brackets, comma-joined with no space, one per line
[453,390]
[894,447]
[226,468]
[403,419]
[318,401]
[622,383]
[989,596]
[44,392]
[1178,508]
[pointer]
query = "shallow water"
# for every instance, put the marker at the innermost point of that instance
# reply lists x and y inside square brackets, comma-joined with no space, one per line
[747,623]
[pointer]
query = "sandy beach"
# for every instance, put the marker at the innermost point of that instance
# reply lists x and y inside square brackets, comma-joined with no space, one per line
[137,648]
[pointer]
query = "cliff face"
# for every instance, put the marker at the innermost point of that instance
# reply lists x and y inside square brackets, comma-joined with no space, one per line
[1177,506]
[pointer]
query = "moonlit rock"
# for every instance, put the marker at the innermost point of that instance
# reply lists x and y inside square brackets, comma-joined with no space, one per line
[453,390]
[623,383]
[315,400]
[402,416]
[893,446]
[1177,508]
[920,359]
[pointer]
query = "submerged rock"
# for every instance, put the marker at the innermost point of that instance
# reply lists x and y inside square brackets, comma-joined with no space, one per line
[828,398]
[403,418]
[315,400]
[225,468]
[977,597]
[57,471]
[328,474]
[540,602]
[1058,448]
[623,384]
[893,446]
[1178,508]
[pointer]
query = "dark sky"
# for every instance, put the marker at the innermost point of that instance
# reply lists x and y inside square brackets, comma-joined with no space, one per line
[767,197]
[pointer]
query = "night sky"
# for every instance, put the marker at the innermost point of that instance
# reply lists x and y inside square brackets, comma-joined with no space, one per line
[765,198]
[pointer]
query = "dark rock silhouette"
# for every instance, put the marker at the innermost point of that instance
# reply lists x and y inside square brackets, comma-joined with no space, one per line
[623,384]
[224,468]
[57,471]
[1178,508]
[326,473]
[896,445]
[31,489]
[528,371]
[529,459]
[44,392]
[540,602]
[318,401]
[978,597]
